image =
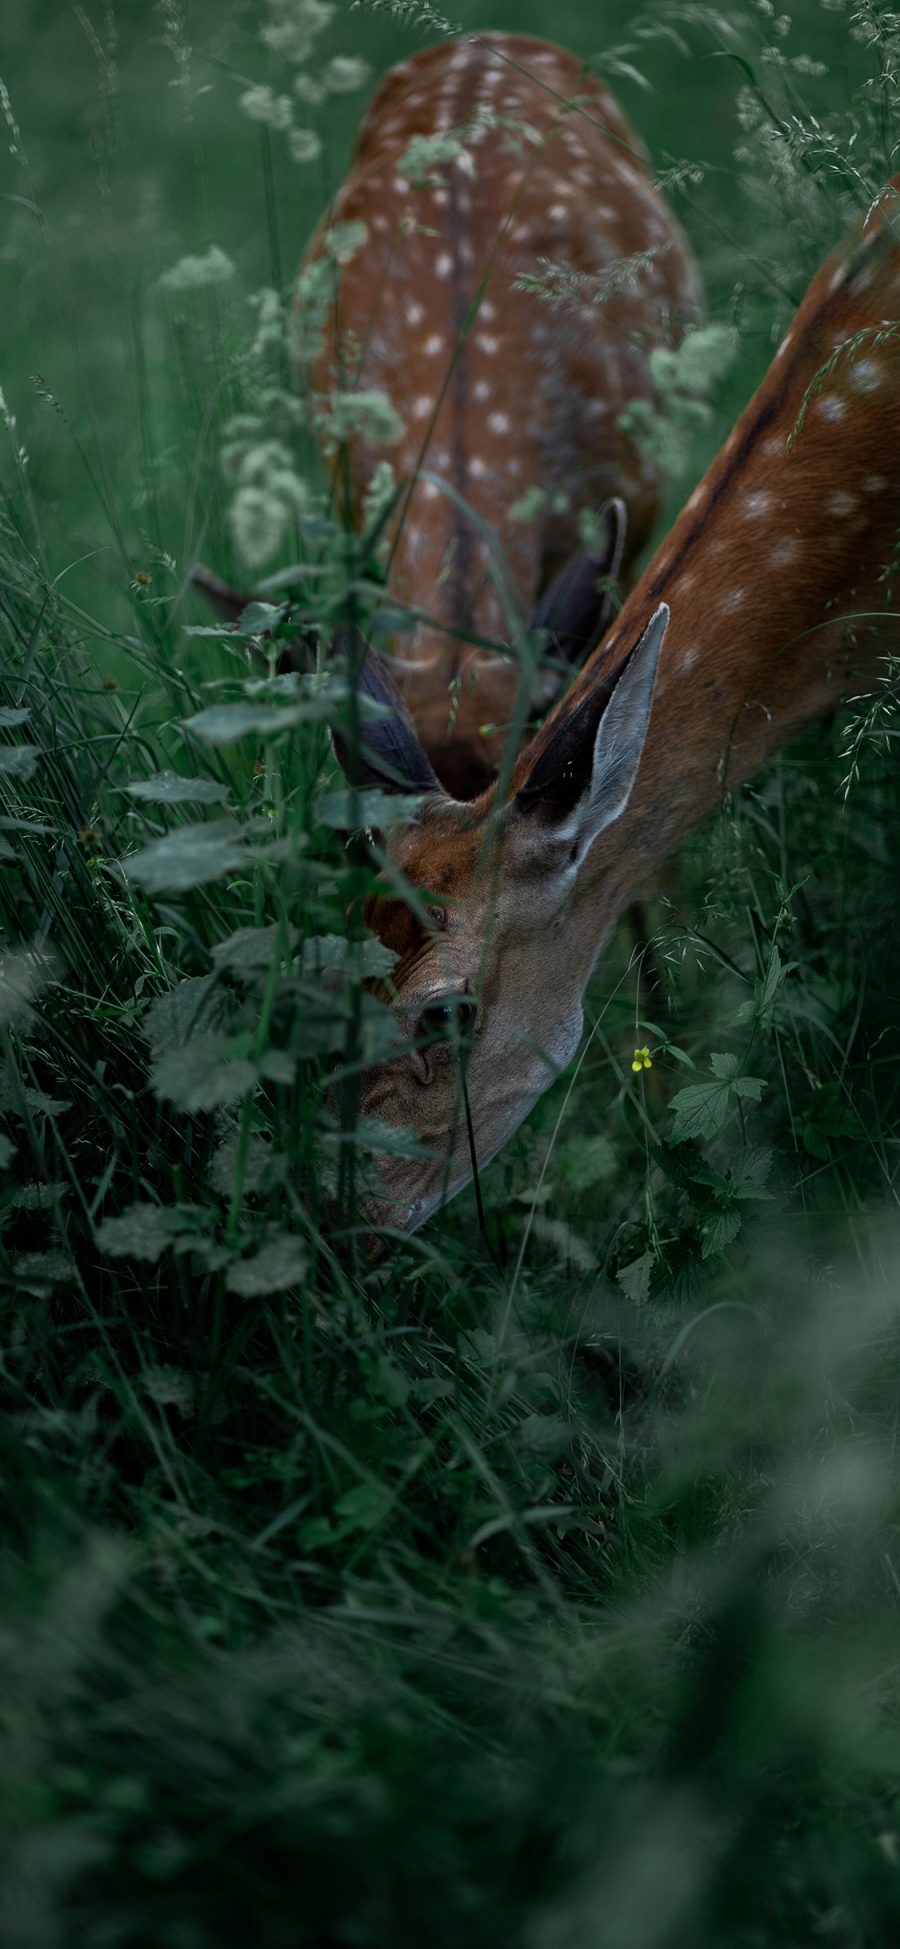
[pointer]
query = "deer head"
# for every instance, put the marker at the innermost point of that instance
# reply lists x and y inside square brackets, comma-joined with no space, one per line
[488,1024]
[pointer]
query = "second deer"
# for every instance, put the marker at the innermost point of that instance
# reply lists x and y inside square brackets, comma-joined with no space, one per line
[480,161]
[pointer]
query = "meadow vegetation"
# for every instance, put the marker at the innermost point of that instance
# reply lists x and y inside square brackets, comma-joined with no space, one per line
[533,1584]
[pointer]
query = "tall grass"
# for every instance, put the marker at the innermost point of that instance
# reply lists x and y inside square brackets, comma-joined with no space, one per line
[540,1589]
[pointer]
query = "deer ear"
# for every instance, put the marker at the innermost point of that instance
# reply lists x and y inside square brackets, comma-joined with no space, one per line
[388,755]
[578,607]
[583,775]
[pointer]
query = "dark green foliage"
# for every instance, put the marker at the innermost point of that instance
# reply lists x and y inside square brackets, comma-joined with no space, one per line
[537,1589]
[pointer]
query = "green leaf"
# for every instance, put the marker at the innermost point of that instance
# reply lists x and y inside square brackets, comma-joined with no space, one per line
[719,1231]
[141,1232]
[252,948]
[365,1506]
[389,1383]
[11,715]
[224,724]
[18,760]
[351,811]
[750,1173]
[191,856]
[7,1151]
[183,1012]
[258,617]
[749,1086]
[725,1066]
[766,991]
[279,1264]
[700,1110]
[634,1279]
[205,1073]
[334,951]
[169,788]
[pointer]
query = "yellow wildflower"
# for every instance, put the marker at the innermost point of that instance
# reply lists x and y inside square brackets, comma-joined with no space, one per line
[642,1060]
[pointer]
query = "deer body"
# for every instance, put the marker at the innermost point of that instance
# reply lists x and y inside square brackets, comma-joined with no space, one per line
[773,595]
[498,392]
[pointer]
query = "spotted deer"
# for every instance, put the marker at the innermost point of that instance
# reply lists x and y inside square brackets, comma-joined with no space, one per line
[773,596]
[498,393]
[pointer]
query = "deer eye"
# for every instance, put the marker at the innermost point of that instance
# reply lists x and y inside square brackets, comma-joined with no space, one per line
[452,1018]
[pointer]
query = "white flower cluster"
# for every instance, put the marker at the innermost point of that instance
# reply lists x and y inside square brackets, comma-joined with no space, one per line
[291,33]
[198,273]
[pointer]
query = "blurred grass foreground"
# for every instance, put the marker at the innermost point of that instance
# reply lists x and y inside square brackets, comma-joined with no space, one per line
[538,1590]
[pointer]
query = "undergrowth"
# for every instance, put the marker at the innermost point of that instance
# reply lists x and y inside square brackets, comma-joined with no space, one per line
[532,1585]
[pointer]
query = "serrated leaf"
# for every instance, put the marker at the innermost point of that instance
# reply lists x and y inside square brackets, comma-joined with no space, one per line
[183,1012]
[719,1232]
[323,951]
[750,1174]
[18,760]
[279,1264]
[251,948]
[191,856]
[700,1110]
[749,1086]
[170,788]
[206,1073]
[725,1066]
[634,1278]
[351,811]
[142,1232]
[258,617]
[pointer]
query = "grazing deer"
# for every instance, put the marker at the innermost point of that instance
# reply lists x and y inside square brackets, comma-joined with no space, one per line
[772,596]
[498,392]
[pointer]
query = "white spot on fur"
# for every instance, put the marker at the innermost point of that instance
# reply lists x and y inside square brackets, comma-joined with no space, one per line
[841,503]
[487,310]
[482,389]
[486,342]
[875,484]
[784,552]
[832,408]
[414,313]
[734,599]
[443,265]
[422,407]
[498,422]
[557,211]
[429,491]
[758,502]
[865,375]
[434,344]
[478,467]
